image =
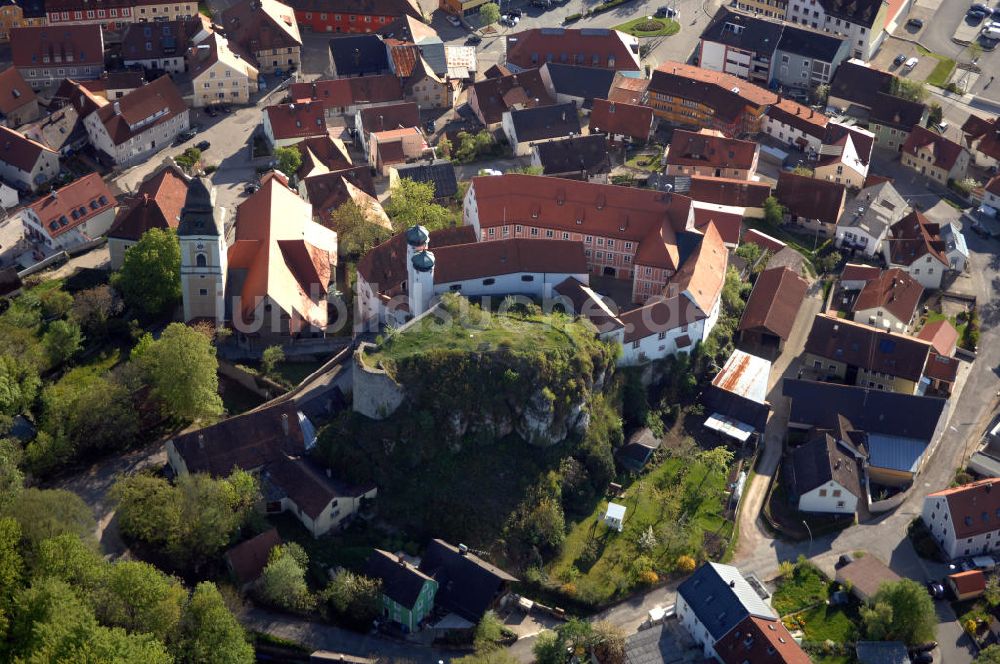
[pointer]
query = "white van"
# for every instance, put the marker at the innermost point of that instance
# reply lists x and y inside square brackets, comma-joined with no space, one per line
[911,63]
[992,33]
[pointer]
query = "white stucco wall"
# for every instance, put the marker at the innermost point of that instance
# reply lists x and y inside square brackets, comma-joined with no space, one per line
[844,503]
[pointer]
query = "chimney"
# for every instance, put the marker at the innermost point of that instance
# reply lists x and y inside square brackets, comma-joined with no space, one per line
[118,108]
[284,423]
[357,57]
[201,441]
[564,116]
[462,549]
[732,584]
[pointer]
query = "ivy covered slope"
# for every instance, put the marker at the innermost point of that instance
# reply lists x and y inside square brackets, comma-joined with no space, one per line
[485,375]
[493,403]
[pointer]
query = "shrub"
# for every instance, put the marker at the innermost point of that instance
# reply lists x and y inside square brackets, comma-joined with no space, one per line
[649,577]
[572,17]
[686,564]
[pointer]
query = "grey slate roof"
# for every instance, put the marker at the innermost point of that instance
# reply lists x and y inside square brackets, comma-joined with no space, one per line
[744,32]
[873,411]
[809,44]
[820,460]
[199,216]
[578,81]
[357,55]
[576,154]
[874,209]
[439,172]
[658,645]
[720,598]
[467,585]
[401,582]
[881,652]
[532,124]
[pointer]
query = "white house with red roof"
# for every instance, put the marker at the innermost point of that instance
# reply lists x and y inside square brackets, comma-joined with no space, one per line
[25,164]
[287,124]
[131,129]
[79,212]
[965,520]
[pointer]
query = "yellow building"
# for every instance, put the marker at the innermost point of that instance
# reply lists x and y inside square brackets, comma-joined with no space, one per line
[219,74]
[19,15]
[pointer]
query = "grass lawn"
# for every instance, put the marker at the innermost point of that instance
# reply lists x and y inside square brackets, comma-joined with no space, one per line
[798,242]
[477,331]
[667,27]
[828,623]
[645,161]
[806,586]
[613,574]
[291,373]
[942,70]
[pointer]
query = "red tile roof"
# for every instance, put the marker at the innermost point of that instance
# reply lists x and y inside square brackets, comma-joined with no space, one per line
[248,559]
[496,95]
[895,291]
[987,132]
[404,56]
[974,507]
[811,198]
[941,367]
[296,120]
[729,224]
[156,204]
[392,116]
[75,45]
[857,272]
[609,49]
[612,117]
[942,335]
[321,153]
[725,93]
[800,117]
[287,257]
[729,191]
[344,92]
[913,237]
[20,151]
[362,7]
[763,240]
[128,116]
[659,315]
[703,273]
[14,91]
[838,135]
[647,218]
[774,302]
[74,204]
[760,641]
[690,148]
[261,25]
[627,89]
[499,257]
[973,581]
[385,268]
[946,151]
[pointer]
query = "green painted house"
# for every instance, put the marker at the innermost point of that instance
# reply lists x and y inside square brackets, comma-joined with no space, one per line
[407,593]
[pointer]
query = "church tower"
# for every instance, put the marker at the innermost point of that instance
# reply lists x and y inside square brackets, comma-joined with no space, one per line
[419,269]
[203,253]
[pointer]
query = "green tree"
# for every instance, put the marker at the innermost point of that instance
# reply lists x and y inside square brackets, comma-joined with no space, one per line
[83,414]
[283,584]
[46,513]
[829,261]
[54,303]
[289,160]
[935,114]
[19,383]
[11,477]
[749,252]
[11,570]
[490,13]
[188,158]
[70,559]
[210,633]
[62,341]
[140,598]
[821,94]
[992,592]
[488,633]
[191,521]
[94,307]
[549,648]
[608,643]
[413,203]
[182,369]
[358,230]
[150,277]
[732,293]
[902,611]
[774,213]
[271,358]
[354,597]
[52,624]
[908,89]
[488,657]
[444,147]
[716,461]
[988,655]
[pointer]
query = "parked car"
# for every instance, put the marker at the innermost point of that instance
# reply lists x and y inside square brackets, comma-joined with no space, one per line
[430,126]
[899,59]
[911,63]
[203,145]
[454,20]
[472,40]
[980,7]
[925,647]
[935,589]
[666,12]
[543,4]
[996,13]
[915,23]
[923,658]
[211,112]
[225,109]
[845,559]
[516,12]
[942,126]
